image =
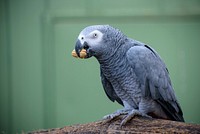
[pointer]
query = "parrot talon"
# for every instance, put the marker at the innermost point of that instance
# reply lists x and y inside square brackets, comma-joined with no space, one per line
[132,114]
[111,116]
[116,114]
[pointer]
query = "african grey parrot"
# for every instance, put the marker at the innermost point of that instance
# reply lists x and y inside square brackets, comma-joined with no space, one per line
[132,73]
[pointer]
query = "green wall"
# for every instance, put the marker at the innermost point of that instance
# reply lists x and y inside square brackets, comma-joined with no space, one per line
[43,86]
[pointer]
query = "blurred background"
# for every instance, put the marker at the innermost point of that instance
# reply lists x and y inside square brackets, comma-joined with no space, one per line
[43,86]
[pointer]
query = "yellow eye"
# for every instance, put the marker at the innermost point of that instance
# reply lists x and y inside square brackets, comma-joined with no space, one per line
[95,35]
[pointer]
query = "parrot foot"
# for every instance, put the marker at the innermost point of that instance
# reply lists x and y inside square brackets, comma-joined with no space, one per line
[116,114]
[131,114]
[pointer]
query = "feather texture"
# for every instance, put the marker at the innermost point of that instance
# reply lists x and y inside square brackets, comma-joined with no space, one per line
[154,78]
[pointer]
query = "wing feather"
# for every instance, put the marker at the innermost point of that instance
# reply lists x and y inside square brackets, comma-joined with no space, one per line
[154,79]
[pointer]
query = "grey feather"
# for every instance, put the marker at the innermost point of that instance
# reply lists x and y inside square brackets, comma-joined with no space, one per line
[110,92]
[154,77]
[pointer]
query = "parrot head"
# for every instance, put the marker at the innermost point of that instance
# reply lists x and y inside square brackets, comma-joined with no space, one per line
[98,41]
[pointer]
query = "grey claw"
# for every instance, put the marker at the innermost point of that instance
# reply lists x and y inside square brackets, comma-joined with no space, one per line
[131,115]
[116,114]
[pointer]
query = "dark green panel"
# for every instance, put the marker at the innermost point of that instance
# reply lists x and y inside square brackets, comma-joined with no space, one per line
[4,71]
[26,69]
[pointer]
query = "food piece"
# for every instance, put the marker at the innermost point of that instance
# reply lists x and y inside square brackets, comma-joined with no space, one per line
[83,54]
[74,54]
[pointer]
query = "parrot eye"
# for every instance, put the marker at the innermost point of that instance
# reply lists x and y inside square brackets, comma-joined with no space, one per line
[82,38]
[95,35]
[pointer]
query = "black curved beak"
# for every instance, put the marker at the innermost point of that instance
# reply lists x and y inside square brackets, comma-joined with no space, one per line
[78,47]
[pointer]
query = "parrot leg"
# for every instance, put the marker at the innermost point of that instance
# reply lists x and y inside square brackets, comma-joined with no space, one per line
[117,113]
[131,115]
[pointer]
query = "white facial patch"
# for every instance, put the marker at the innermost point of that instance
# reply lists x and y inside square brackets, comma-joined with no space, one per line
[92,38]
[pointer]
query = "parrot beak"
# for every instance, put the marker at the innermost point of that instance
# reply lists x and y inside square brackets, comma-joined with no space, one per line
[78,47]
[82,49]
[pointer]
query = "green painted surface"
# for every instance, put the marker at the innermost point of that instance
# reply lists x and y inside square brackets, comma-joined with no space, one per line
[43,86]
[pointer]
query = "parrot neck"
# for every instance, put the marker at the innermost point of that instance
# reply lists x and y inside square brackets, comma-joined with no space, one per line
[115,57]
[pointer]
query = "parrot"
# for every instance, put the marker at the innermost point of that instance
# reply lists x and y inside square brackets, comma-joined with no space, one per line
[132,74]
